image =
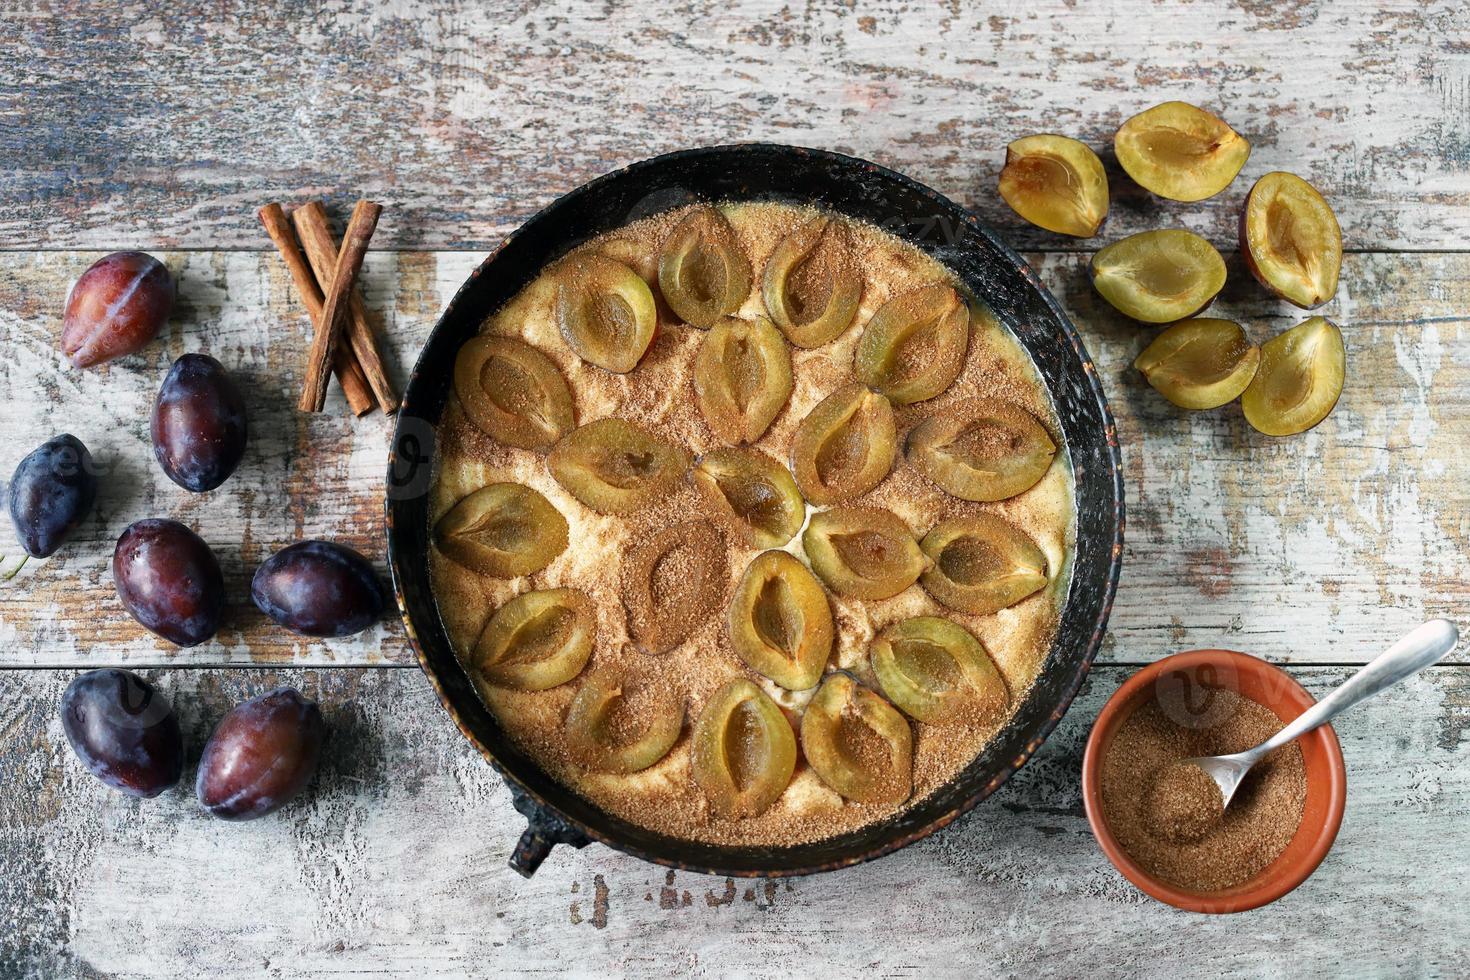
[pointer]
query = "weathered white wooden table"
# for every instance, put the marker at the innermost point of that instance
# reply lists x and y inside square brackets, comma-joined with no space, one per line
[126,126]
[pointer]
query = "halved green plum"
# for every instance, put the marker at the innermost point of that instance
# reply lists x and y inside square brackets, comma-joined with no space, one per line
[743,751]
[1056,183]
[504,529]
[1290,240]
[1159,276]
[982,564]
[858,743]
[914,346]
[617,467]
[702,272]
[780,621]
[672,582]
[1180,151]
[513,392]
[863,552]
[1201,363]
[537,640]
[938,672]
[812,286]
[982,449]
[605,311]
[756,494]
[619,725]
[1299,380]
[845,446]
[742,378]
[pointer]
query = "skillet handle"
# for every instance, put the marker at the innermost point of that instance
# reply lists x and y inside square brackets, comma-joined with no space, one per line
[544,830]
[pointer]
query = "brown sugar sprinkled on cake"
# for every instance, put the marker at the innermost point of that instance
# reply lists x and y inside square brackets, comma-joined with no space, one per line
[659,395]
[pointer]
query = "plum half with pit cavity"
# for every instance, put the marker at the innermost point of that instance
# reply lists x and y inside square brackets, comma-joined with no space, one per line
[858,743]
[914,346]
[1290,240]
[845,446]
[982,449]
[743,750]
[755,493]
[605,311]
[505,530]
[981,564]
[702,272]
[1180,151]
[512,392]
[1201,363]
[780,622]
[742,378]
[1056,183]
[616,724]
[617,467]
[812,286]
[863,552]
[1299,380]
[1159,276]
[938,672]
[538,640]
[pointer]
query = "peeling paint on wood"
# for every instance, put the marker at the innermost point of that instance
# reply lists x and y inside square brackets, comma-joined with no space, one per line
[1321,547]
[125,126]
[395,865]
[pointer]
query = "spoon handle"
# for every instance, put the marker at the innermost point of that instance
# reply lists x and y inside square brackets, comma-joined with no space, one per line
[1420,648]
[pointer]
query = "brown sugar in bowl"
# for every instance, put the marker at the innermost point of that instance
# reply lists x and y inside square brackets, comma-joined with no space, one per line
[1326,775]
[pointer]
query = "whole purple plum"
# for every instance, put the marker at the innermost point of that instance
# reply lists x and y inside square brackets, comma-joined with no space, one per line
[260,756]
[124,731]
[53,489]
[317,588]
[199,425]
[169,580]
[116,307]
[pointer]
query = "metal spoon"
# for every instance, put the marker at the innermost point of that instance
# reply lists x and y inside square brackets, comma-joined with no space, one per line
[1420,648]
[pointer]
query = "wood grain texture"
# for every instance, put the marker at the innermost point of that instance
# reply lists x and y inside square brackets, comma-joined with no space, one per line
[127,126]
[1317,548]
[395,865]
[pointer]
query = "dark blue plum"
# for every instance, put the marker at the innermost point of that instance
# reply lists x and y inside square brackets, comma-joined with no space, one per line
[124,731]
[53,489]
[261,755]
[169,581]
[199,426]
[317,588]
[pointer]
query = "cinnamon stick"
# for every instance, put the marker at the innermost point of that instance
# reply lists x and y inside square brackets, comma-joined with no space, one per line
[344,361]
[321,251]
[338,290]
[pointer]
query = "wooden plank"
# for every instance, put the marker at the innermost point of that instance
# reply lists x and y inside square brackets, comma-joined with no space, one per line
[122,126]
[1319,548]
[395,865]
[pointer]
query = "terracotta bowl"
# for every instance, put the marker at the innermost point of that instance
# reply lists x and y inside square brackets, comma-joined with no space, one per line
[1321,754]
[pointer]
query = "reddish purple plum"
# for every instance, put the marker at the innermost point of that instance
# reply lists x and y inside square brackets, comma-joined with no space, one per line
[317,588]
[262,754]
[52,490]
[116,308]
[199,425]
[169,580]
[124,731]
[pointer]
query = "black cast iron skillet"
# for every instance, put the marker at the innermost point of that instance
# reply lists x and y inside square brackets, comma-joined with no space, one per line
[987,267]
